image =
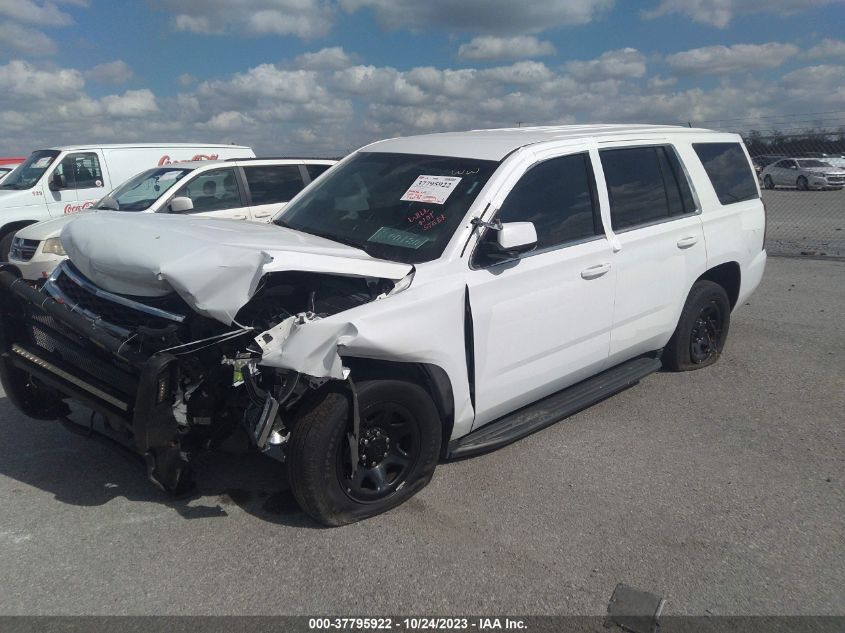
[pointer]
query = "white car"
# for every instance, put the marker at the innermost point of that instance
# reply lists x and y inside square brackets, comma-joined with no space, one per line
[429,297]
[239,189]
[803,174]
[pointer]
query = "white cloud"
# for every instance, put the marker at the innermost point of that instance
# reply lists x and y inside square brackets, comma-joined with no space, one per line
[305,19]
[481,16]
[719,13]
[25,40]
[718,60]
[132,103]
[116,72]
[22,81]
[227,122]
[333,58]
[186,79]
[827,49]
[490,47]
[288,108]
[624,63]
[39,13]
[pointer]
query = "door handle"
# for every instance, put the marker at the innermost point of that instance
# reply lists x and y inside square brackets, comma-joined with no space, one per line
[594,272]
[239,217]
[686,242]
[263,215]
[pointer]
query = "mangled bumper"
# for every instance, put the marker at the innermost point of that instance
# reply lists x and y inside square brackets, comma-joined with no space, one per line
[72,358]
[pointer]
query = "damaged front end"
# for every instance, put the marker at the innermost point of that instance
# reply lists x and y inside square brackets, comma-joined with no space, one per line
[166,379]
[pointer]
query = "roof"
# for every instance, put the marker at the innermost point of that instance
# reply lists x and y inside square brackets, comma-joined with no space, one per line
[146,145]
[498,143]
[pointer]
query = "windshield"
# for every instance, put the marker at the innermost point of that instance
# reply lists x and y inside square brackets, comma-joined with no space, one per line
[28,172]
[402,207]
[139,193]
[812,162]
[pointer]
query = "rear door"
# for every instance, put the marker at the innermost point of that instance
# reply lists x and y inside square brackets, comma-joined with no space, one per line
[216,193]
[271,187]
[658,242]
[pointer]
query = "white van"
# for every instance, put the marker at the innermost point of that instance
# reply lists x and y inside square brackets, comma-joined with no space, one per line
[60,180]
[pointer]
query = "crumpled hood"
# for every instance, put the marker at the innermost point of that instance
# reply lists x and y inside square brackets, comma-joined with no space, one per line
[213,264]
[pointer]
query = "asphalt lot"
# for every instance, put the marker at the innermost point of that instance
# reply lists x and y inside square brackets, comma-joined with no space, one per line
[805,222]
[721,490]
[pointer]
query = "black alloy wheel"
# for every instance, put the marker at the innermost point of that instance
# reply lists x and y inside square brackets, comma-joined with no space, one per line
[706,334]
[388,449]
[702,329]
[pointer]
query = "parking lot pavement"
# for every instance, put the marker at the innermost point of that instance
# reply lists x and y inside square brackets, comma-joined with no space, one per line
[720,490]
[805,222]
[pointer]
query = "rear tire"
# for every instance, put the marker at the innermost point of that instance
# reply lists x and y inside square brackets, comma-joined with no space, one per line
[768,183]
[399,428]
[802,184]
[702,330]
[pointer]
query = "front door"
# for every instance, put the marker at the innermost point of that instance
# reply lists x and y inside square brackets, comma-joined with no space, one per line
[216,193]
[542,321]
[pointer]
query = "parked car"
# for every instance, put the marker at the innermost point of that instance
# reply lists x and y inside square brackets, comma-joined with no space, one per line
[61,180]
[239,189]
[804,174]
[429,297]
[763,160]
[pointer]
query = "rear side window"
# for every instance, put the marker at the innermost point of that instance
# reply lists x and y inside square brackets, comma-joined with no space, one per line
[729,171]
[315,170]
[269,184]
[645,185]
[558,196]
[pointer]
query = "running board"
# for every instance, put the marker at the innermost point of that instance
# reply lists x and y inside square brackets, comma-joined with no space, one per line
[553,408]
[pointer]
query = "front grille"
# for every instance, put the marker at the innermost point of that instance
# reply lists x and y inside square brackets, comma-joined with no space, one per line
[23,250]
[69,286]
[68,346]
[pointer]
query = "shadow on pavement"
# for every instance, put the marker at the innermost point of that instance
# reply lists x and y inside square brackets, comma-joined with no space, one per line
[83,472]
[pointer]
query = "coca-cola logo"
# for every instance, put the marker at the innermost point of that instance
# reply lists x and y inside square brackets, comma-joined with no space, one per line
[74,208]
[165,160]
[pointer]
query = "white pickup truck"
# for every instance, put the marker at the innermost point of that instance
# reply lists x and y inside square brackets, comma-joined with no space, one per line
[428,298]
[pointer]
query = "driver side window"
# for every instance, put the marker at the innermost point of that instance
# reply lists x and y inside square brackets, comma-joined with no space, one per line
[214,190]
[559,197]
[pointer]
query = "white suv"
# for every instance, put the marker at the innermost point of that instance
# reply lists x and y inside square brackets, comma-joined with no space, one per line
[430,297]
[239,189]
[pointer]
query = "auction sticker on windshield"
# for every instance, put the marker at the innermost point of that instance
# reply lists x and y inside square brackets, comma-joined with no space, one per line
[431,189]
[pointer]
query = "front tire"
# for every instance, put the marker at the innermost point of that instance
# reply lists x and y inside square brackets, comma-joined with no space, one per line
[802,184]
[702,330]
[6,246]
[398,449]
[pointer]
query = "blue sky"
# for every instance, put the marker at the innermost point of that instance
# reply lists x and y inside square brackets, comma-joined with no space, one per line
[325,76]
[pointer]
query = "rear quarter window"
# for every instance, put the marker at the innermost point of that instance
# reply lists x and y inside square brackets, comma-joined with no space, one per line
[729,171]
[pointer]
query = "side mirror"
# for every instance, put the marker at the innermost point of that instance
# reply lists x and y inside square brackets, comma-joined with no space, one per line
[516,237]
[181,204]
[57,182]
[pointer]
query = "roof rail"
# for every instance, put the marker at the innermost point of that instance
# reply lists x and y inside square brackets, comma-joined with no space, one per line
[229,160]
